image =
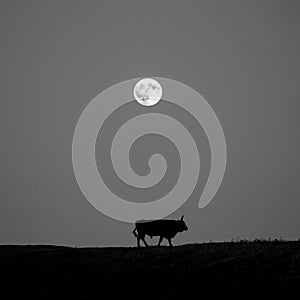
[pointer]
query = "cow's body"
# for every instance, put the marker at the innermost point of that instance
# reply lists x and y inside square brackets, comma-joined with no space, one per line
[163,228]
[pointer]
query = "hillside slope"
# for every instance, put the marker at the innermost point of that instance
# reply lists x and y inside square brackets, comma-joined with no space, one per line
[265,270]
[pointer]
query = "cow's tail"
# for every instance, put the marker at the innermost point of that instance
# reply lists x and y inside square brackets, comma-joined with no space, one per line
[134,232]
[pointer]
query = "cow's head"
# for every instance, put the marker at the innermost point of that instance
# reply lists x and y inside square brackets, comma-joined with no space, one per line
[182,225]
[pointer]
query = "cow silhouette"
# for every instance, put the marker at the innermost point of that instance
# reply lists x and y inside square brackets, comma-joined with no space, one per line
[163,228]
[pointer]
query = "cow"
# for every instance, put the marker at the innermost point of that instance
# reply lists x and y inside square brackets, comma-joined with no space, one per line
[163,228]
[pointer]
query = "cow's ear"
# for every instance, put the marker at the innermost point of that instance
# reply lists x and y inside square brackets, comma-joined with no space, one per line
[181,218]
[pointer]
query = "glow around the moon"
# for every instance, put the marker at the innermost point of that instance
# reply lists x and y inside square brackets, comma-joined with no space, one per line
[147,91]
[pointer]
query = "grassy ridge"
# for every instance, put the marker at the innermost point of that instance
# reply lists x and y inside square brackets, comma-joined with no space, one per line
[264,270]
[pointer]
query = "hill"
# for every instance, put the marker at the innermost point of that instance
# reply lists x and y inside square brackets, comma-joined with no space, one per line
[241,270]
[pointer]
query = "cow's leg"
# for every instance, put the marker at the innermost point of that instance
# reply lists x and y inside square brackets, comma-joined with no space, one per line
[144,241]
[170,243]
[160,240]
[138,241]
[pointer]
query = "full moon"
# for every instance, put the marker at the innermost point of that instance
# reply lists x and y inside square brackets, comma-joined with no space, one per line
[147,91]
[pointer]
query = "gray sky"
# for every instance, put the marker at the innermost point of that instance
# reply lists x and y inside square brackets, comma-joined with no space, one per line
[56,56]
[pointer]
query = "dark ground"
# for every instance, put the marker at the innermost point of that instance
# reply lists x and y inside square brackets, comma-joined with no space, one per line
[264,270]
